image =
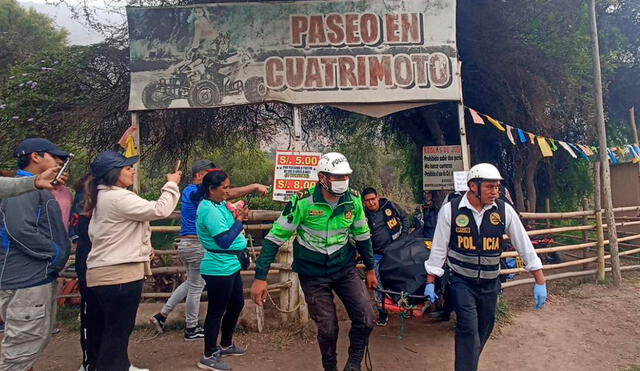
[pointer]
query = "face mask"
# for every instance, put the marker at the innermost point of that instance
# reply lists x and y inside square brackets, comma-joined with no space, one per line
[339,186]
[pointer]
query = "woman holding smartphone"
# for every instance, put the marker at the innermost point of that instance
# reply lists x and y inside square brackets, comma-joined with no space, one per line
[120,254]
[221,233]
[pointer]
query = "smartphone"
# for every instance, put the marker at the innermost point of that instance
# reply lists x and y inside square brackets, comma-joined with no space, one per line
[64,168]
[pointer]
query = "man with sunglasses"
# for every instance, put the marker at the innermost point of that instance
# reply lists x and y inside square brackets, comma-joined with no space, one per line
[469,235]
[35,248]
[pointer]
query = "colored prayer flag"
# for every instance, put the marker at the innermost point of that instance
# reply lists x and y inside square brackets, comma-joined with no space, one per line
[552,143]
[614,161]
[523,139]
[575,148]
[477,119]
[585,149]
[509,135]
[544,147]
[495,123]
[532,137]
[567,148]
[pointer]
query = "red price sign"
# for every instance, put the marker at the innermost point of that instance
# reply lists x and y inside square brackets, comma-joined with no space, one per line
[298,160]
[294,185]
[294,171]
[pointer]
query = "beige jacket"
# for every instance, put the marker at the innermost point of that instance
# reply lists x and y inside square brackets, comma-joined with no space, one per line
[119,228]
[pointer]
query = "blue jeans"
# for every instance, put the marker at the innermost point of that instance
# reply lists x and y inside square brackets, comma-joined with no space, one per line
[378,295]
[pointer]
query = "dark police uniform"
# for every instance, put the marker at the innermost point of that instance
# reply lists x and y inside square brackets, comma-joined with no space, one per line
[471,243]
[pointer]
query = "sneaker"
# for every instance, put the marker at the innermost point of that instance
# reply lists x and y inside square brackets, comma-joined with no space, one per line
[383,320]
[231,350]
[214,363]
[134,368]
[158,321]
[194,333]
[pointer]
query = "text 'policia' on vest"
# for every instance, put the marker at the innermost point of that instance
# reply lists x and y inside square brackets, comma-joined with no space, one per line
[471,255]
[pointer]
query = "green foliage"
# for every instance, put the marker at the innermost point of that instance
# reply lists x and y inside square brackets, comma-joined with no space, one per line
[25,33]
[69,317]
[577,178]
[378,160]
[503,311]
[35,91]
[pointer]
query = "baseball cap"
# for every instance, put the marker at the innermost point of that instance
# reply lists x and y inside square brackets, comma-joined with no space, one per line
[31,145]
[200,165]
[109,160]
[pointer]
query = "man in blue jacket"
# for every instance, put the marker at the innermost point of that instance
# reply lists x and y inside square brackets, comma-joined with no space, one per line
[35,247]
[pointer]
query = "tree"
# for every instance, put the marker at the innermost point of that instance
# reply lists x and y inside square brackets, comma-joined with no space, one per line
[25,33]
[525,63]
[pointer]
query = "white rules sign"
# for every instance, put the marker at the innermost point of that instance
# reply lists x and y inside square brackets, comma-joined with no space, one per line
[438,165]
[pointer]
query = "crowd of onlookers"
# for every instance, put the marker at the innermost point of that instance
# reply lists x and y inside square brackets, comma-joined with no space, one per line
[39,218]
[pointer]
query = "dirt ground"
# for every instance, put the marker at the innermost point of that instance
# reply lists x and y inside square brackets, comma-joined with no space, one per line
[582,327]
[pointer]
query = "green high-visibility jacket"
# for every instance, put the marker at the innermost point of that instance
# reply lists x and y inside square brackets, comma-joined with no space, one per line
[321,246]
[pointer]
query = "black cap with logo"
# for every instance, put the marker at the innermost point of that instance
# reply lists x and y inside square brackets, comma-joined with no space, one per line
[31,145]
[109,160]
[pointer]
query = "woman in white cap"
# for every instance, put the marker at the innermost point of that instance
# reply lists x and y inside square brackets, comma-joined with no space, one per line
[119,258]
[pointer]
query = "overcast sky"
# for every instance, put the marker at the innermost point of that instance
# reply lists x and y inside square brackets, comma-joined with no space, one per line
[78,33]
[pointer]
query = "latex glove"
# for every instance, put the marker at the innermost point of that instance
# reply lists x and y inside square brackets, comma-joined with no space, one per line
[539,295]
[430,292]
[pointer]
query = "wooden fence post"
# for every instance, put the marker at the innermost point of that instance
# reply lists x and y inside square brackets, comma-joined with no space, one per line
[285,257]
[585,234]
[303,311]
[597,185]
[600,232]
[547,205]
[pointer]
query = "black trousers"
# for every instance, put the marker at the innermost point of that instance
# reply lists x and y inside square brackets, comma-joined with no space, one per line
[119,304]
[225,304]
[318,292]
[91,326]
[475,304]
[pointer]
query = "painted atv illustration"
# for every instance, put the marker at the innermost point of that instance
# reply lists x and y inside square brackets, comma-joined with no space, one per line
[204,81]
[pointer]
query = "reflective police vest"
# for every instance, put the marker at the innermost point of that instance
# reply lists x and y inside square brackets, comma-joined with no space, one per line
[476,253]
[392,220]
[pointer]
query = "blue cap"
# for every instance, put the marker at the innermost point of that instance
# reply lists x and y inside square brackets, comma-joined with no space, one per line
[109,160]
[31,145]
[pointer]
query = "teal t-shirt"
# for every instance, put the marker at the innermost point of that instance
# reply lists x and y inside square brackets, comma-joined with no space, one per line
[214,219]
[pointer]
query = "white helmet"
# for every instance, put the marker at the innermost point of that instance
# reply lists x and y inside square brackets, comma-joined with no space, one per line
[334,163]
[484,172]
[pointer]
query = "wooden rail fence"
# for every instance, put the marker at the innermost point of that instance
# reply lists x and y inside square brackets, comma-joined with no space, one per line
[593,260]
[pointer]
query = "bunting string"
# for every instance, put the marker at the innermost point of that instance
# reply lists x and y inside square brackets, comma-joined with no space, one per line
[547,146]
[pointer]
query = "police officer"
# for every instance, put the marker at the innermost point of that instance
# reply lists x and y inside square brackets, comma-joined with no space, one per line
[469,235]
[387,222]
[324,217]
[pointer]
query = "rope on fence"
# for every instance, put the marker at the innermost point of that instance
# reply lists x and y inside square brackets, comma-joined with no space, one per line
[254,256]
